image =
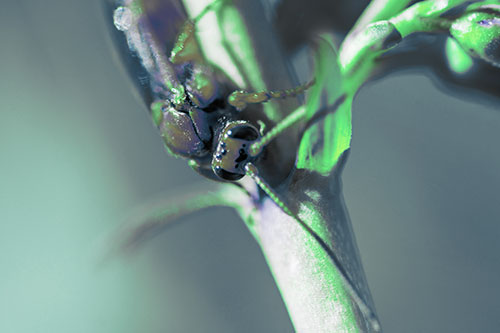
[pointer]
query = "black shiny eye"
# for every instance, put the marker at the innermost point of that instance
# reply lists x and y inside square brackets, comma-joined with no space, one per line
[226,175]
[244,132]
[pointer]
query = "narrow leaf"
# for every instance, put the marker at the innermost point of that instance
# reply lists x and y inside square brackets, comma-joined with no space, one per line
[328,133]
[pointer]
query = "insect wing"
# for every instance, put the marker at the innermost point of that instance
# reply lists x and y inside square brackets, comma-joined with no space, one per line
[143,31]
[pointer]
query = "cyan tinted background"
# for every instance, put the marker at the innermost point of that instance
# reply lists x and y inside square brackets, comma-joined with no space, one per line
[78,152]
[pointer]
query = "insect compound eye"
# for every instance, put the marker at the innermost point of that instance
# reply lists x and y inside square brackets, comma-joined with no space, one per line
[179,134]
[226,175]
[231,154]
[244,132]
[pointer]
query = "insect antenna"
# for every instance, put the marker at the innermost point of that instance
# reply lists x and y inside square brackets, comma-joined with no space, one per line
[240,99]
[290,120]
[252,171]
[294,117]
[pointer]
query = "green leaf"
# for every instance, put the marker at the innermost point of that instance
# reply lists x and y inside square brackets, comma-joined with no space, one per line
[459,61]
[478,32]
[328,114]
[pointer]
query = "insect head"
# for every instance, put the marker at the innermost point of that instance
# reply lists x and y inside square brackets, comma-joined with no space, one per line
[232,153]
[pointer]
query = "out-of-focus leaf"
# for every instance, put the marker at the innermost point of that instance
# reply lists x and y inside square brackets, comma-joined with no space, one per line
[328,131]
[478,32]
[459,61]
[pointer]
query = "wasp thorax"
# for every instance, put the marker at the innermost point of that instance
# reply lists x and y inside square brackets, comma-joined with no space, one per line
[231,155]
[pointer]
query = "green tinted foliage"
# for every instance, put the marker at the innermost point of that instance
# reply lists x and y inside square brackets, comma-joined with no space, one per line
[458,60]
[324,141]
[156,112]
[479,34]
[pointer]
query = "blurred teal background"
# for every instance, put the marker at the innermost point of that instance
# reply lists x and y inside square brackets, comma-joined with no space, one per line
[78,153]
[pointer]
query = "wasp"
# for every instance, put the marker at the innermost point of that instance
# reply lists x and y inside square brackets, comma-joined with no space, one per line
[206,125]
[199,111]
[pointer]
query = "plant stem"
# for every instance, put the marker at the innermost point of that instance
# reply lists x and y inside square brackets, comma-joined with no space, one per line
[312,288]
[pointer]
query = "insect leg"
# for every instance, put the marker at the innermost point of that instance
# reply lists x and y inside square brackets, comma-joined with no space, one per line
[240,99]
[252,171]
